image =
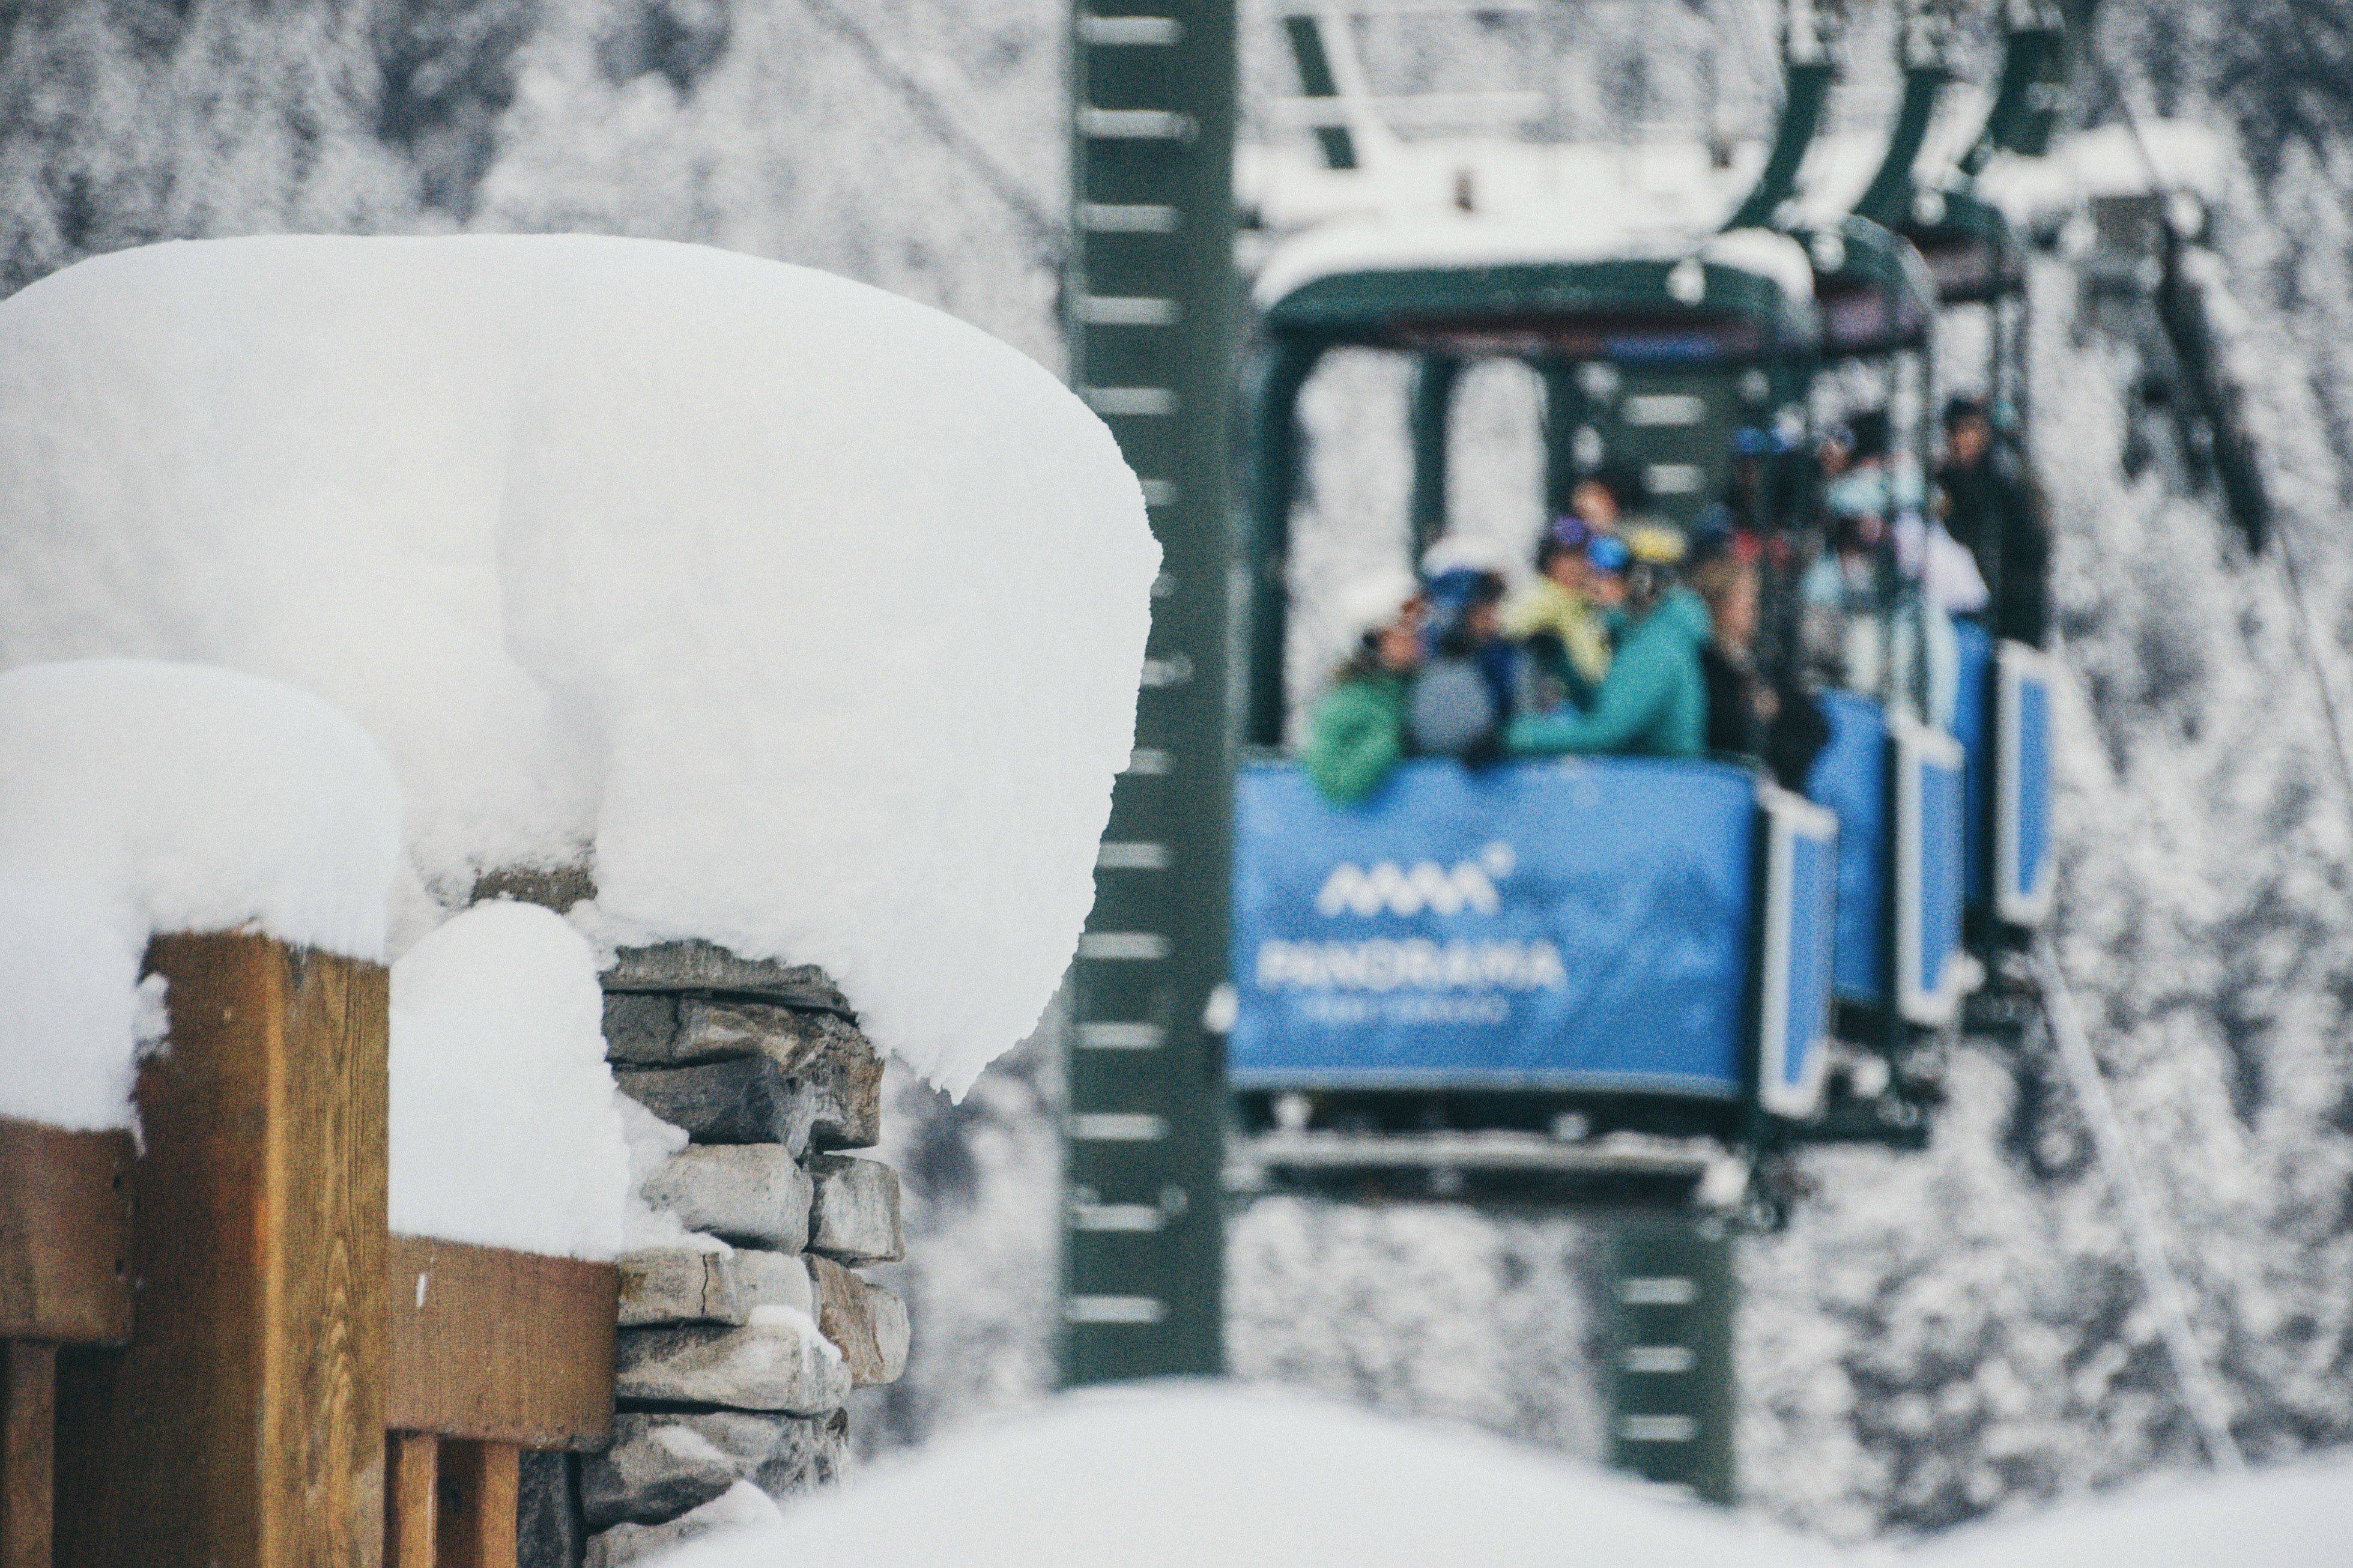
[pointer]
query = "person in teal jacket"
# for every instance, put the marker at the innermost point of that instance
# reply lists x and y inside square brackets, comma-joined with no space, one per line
[1357,731]
[1653,702]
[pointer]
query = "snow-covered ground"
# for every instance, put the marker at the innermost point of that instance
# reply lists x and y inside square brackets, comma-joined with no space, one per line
[1183,1477]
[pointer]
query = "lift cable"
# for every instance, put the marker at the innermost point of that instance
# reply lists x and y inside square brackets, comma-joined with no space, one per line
[2308,638]
[2309,632]
[1042,229]
[2200,1391]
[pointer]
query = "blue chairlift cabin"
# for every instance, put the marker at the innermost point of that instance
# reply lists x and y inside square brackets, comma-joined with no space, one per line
[1642,943]
[2000,711]
[1691,987]
[1976,262]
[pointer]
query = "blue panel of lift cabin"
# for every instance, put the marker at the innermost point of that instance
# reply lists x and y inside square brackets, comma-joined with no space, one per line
[1850,777]
[1565,925]
[1813,919]
[1933,875]
[2025,871]
[1973,711]
[1800,918]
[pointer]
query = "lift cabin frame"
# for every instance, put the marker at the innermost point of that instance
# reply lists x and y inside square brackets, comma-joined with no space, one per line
[1723,345]
[1976,259]
[1881,770]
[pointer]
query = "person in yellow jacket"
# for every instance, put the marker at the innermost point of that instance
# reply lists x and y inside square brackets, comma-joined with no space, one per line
[1564,617]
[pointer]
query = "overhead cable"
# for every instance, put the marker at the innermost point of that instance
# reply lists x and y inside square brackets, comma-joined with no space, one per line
[2200,1391]
[2310,636]
[1043,231]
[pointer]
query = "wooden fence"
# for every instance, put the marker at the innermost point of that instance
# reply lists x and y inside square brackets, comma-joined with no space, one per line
[212,1352]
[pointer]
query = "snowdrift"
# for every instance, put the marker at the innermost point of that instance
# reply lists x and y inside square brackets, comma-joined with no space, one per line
[807,619]
[504,1128]
[1181,1477]
[1177,1477]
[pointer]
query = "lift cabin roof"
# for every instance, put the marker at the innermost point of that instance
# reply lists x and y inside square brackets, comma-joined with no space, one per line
[1876,293]
[1724,303]
[1971,250]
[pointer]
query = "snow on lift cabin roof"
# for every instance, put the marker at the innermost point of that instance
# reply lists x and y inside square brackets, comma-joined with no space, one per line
[1675,182]
[139,798]
[1430,240]
[2108,161]
[811,617]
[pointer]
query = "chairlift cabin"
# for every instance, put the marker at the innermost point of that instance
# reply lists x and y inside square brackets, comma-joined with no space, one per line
[1902,970]
[1975,259]
[1620,944]
[1895,782]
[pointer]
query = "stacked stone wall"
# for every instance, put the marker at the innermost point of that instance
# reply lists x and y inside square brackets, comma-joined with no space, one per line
[736,1364]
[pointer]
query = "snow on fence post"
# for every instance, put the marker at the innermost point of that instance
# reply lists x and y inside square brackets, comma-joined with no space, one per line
[243,1426]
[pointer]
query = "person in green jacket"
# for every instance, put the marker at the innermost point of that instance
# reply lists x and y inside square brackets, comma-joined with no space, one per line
[1357,731]
[1653,702]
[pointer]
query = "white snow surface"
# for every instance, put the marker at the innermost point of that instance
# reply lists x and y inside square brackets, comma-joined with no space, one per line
[1176,1477]
[810,616]
[504,1127]
[651,1141]
[139,798]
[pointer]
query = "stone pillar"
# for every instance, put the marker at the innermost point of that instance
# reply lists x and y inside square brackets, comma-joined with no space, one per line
[736,1364]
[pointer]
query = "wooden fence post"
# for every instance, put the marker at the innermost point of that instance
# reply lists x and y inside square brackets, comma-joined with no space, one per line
[29,1414]
[243,1425]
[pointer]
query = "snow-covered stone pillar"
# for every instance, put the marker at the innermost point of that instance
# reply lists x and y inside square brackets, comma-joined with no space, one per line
[742,1335]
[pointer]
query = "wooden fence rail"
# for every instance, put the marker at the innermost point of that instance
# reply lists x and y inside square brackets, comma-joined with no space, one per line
[65,1279]
[237,1415]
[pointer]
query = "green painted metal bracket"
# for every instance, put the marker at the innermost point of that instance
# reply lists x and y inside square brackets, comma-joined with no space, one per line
[1887,200]
[1927,42]
[2034,77]
[1316,80]
[1273,382]
[1428,411]
[1809,95]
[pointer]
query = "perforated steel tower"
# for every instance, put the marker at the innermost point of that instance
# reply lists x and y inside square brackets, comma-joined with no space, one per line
[1150,304]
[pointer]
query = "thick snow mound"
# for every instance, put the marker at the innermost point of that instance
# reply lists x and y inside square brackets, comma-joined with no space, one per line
[810,618]
[504,1130]
[68,1007]
[2300,1516]
[138,798]
[1184,1477]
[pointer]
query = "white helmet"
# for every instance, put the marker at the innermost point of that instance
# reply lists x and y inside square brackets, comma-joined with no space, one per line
[1372,601]
[1465,552]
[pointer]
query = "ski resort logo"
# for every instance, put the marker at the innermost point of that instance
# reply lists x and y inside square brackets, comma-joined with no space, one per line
[1370,891]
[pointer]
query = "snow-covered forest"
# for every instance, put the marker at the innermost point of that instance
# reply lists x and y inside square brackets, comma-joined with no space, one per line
[1936,1337]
